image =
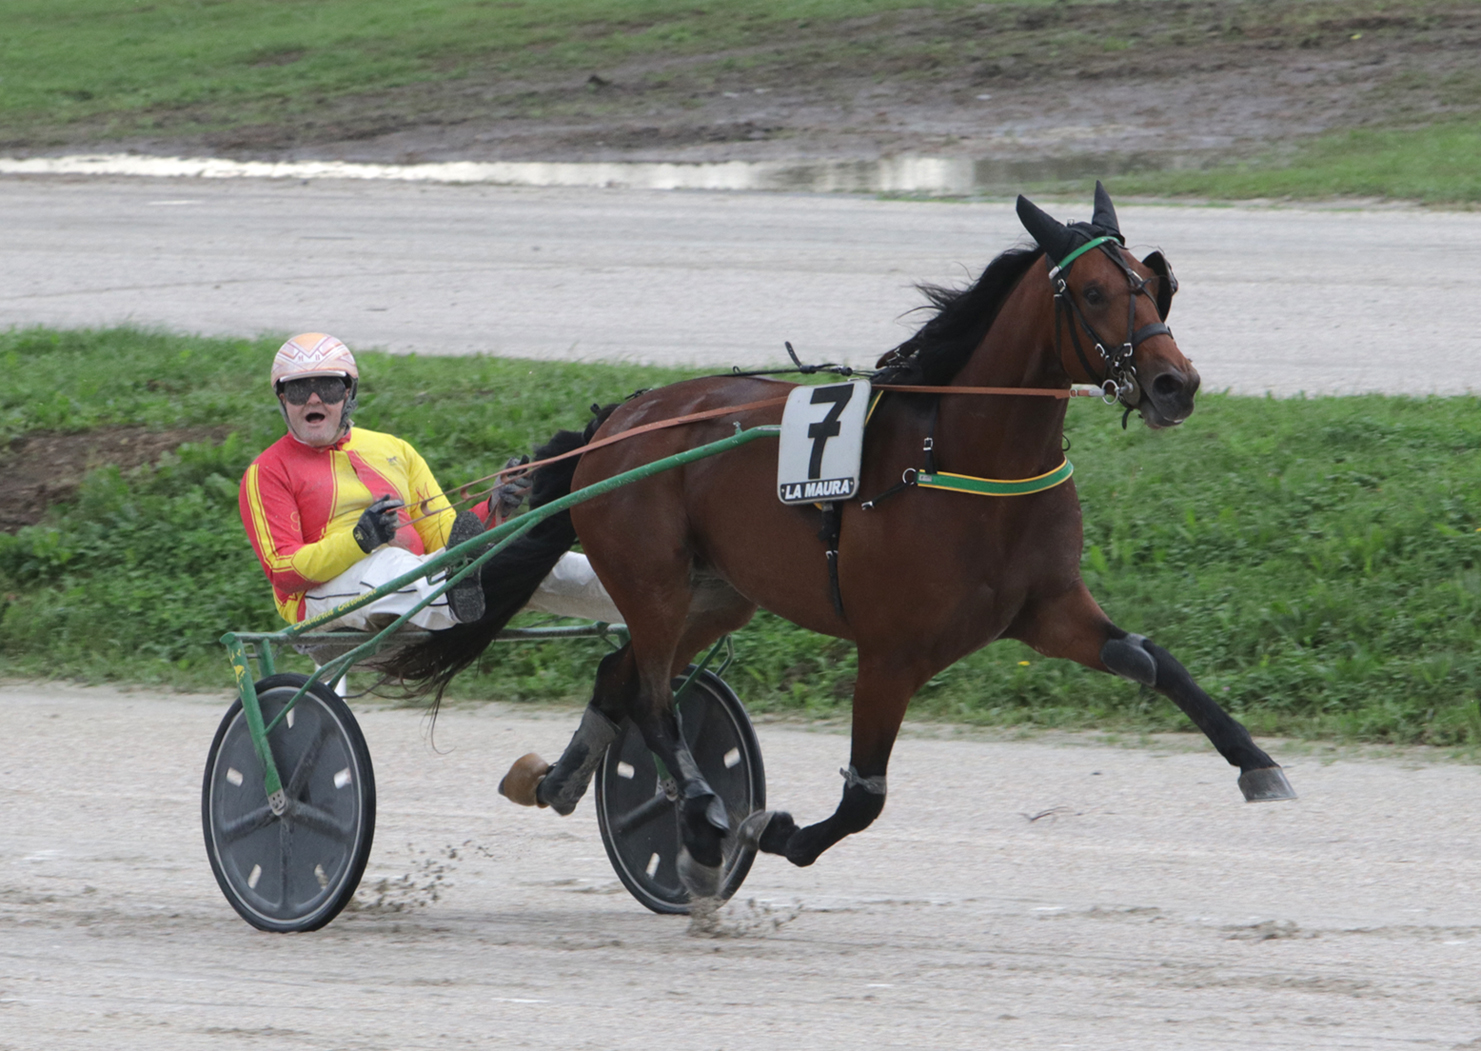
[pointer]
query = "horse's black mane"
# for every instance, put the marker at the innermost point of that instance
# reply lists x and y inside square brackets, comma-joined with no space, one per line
[941,346]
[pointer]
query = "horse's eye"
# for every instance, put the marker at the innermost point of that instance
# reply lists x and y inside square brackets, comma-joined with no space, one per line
[1094,296]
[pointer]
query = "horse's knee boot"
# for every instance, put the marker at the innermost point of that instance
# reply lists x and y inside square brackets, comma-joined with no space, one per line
[563,787]
[1129,658]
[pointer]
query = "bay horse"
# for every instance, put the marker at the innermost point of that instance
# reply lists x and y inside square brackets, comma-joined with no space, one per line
[922,577]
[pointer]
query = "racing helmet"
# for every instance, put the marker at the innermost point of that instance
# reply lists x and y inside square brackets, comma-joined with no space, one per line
[317,354]
[313,354]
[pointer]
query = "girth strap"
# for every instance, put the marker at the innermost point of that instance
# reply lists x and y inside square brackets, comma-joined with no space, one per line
[966,483]
[829,534]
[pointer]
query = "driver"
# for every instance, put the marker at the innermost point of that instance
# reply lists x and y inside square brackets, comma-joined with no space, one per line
[334,510]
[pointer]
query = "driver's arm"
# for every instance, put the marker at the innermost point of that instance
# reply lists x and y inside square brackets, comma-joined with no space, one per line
[270,514]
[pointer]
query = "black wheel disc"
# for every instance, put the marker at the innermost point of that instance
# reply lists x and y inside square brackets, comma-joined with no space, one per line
[297,871]
[639,819]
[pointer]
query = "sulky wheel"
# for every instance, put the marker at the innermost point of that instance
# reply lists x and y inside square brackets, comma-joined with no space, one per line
[293,873]
[639,818]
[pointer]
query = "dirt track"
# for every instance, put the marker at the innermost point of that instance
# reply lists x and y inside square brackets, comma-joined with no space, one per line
[1146,906]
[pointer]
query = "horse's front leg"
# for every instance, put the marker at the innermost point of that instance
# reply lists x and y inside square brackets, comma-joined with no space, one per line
[1073,626]
[881,695]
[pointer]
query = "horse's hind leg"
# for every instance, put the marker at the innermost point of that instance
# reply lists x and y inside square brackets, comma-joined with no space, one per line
[533,782]
[1073,626]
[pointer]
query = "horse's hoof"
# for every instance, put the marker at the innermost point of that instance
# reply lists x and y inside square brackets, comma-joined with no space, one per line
[750,831]
[701,881]
[518,786]
[1265,786]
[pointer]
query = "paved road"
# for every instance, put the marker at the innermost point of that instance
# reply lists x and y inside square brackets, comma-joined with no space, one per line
[1273,299]
[1145,907]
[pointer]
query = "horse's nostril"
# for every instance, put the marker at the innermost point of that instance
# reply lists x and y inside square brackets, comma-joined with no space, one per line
[1167,385]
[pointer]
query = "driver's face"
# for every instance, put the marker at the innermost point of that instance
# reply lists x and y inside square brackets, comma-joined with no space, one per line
[313,422]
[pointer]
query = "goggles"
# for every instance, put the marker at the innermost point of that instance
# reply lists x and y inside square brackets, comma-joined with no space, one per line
[331,389]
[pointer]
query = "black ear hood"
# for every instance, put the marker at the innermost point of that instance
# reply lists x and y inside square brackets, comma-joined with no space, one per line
[1103,219]
[1167,284]
[1059,240]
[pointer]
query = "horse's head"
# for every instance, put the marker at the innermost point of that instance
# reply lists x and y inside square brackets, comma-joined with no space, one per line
[1110,325]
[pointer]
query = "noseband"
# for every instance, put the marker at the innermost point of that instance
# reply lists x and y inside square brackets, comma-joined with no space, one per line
[1118,379]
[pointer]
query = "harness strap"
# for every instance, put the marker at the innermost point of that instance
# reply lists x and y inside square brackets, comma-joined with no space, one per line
[966,483]
[710,414]
[1033,392]
[1064,264]
[1061,308]
[657,425]
[830,532]
[1146,332]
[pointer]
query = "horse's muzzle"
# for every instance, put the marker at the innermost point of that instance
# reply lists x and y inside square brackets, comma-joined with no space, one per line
[1168,399]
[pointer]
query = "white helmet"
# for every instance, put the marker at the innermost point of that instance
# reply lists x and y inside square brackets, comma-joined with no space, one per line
[313,354]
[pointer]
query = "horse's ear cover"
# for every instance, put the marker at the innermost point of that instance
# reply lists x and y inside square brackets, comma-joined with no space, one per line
[1167,284]
[1104,215]
[1053,236]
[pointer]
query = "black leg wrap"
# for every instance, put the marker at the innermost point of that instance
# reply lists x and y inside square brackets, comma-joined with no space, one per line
[1261,778]
[705,824]
[858,808]
[860,805]
[566,783]
[1129,658]
[776,828]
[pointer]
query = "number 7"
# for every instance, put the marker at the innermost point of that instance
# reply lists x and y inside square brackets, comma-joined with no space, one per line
[828,426]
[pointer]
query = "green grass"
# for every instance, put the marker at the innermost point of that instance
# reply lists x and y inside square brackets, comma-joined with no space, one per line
[1316,563]
[81,71]
[1440,164]
[133,65]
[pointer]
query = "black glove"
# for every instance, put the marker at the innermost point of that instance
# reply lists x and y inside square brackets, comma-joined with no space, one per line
[378,524]
[509,495]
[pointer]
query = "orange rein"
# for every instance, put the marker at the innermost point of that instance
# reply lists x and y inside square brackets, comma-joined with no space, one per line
[710,414]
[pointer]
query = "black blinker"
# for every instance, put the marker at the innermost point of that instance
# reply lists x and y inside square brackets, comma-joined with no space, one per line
[1167,284]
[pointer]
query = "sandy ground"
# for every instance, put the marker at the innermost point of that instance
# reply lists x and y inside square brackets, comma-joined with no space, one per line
[1285,300]
[1025,894]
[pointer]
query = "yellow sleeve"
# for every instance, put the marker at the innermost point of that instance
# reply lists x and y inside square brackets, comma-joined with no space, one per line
[431,502]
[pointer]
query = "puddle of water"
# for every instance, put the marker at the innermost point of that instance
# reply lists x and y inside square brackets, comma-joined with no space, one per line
[928,176]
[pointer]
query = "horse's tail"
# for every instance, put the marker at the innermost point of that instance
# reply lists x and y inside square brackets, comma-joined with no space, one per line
[510,578]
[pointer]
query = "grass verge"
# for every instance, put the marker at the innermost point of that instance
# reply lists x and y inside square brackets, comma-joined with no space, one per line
[276,74]
[1316,563]
[1440,164]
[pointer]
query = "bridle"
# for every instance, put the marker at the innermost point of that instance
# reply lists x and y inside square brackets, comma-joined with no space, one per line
[1117,375]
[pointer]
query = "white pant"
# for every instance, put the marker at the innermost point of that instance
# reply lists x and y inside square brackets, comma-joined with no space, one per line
[571,590]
